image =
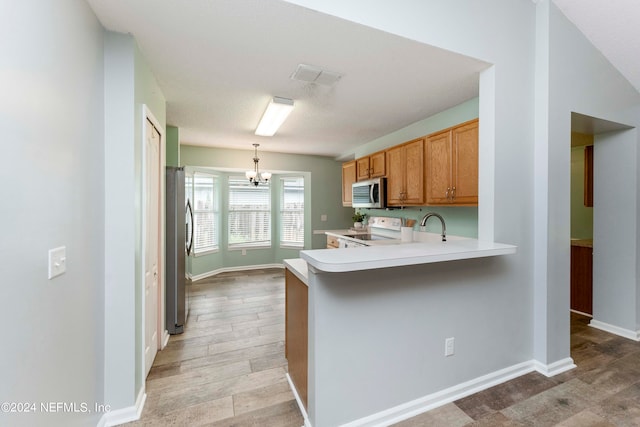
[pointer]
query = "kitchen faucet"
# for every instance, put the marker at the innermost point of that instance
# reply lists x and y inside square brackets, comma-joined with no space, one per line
[444,227]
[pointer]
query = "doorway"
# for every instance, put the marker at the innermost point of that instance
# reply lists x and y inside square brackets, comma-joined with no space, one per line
[153,307]
[613,223]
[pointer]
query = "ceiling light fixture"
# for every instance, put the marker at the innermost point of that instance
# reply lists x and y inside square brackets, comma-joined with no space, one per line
[254,176]
[276,113]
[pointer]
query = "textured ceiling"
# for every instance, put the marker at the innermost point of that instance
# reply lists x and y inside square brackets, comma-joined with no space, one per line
[613,27]
[219,62]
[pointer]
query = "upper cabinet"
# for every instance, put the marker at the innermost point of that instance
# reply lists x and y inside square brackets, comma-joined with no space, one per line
[348,178]
[372,166]
[405,174]
[588,176]
[438,169]
[451,163]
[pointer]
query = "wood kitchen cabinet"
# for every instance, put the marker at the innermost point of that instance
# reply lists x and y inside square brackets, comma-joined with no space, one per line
[332,242]
[405,174]
[348,178]
[296,332]
[451,163]
[372,166]
[582,276]
[588,176]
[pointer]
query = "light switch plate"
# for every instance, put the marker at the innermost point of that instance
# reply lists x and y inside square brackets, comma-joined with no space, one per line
[323,217]
[57,261]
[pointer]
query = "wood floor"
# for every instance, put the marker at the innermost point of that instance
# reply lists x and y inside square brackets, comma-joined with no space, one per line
[228,369]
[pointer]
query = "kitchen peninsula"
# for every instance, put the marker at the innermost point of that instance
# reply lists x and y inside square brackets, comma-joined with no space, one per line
[375,323]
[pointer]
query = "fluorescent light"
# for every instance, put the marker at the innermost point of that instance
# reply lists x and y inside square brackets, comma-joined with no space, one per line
[276,113]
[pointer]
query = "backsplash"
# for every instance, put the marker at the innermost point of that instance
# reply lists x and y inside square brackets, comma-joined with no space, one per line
[461,221]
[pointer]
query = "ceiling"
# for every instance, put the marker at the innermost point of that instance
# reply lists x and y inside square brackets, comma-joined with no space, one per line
[612,26]
[219,63]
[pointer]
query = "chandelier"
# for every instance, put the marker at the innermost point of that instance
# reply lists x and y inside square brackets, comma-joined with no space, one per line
[255,176]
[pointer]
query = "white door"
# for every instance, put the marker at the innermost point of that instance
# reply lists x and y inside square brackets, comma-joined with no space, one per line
[151,278]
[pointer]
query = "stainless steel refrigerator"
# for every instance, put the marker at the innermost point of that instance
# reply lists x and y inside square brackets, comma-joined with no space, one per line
[179,241]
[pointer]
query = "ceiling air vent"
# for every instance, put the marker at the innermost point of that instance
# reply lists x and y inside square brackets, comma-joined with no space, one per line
[312,74]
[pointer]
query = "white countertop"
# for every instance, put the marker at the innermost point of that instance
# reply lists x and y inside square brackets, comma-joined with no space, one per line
[298,267]
[430,249]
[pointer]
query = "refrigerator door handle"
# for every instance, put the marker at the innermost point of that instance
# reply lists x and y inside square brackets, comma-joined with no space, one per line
[189,229]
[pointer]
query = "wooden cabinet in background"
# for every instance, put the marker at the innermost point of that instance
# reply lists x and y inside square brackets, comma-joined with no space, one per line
[348,178]
[582,276]
[451,164]
[372,166]
[588,176]
[405,174]
[332,242]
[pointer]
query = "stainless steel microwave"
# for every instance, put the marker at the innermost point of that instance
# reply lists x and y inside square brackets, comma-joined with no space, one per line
[369,194]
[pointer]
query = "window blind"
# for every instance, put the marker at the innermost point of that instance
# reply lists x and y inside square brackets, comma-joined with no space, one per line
[249,213]
[292,211]
[205,212]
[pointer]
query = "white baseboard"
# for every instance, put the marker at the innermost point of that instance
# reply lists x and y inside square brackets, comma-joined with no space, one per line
[625,333]
[124,415]
[165,339]
[307,423]
[554,368]
[418,406]
[581,313]
[228,269]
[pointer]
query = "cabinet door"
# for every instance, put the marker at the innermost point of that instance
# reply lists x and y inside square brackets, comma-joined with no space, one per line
[465,164]
[362,168]
[438,168]
[582,279]
[377,164]
[414,172]
[348,178]
[395,176]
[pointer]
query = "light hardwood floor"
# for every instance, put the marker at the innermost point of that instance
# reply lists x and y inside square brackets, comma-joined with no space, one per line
[228,367]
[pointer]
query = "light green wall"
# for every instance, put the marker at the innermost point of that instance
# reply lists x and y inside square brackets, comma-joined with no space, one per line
[460,113]
[461,221]
[581,216]
[323,182]
[129,84]
[147,92]
[173,146]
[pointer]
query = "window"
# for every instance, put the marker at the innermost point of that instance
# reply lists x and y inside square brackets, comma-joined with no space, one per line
[205,212]
[249,213]
[292,212]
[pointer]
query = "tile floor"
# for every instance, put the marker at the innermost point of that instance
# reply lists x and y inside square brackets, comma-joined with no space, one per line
[228,369]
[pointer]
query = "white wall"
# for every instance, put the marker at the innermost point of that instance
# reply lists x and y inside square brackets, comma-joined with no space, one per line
[615,229]
[544,68]
[581,80]
[51,116]
[128,85]
[501,32]
[120,196]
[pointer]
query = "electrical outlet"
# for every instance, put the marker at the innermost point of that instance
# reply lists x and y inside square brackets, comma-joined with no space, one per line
[57,261]
[449,346]
[323,217]
[244,252]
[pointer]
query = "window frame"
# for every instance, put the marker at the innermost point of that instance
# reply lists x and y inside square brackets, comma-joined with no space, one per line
[262,244]
[288,244]
[214,210]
